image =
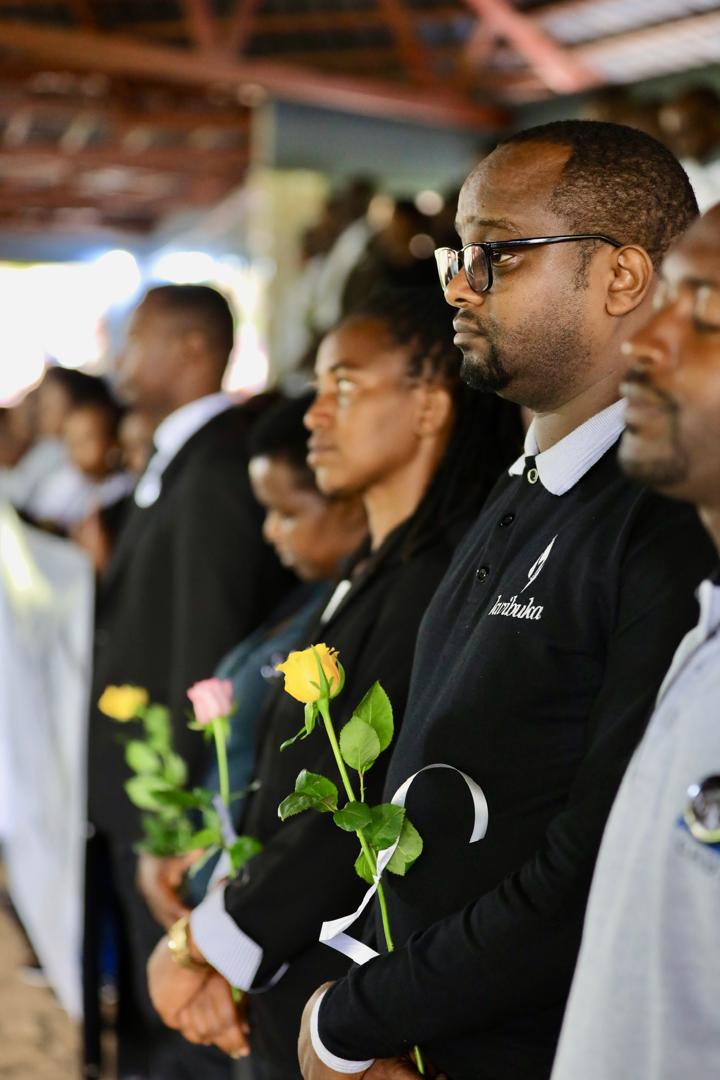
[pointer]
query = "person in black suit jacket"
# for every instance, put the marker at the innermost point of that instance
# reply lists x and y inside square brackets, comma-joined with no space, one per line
[189,577]
[391,421]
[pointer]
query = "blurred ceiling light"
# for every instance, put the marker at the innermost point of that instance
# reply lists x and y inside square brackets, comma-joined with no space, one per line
[205,138]
[249,367]
[251,94]
[429,202]
[380,211]
[121,275]
[183,267]
[138,139]
[422,246]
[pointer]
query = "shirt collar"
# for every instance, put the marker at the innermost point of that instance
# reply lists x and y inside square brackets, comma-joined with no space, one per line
[565,463]
[179,427]
[708,595]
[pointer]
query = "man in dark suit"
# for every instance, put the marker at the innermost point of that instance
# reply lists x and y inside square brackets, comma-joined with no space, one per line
[190,577]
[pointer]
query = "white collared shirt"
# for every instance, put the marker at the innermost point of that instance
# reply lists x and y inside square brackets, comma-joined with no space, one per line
[644,997]
[170,437]
[562,465]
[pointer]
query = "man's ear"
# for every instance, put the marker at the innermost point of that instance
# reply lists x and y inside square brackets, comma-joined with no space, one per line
[435,408]
[632,275]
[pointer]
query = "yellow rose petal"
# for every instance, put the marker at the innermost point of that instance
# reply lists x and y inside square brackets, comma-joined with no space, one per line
[122,702]
[302,678]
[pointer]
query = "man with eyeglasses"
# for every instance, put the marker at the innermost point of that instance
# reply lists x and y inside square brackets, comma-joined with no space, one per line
[538,660]
[645,993]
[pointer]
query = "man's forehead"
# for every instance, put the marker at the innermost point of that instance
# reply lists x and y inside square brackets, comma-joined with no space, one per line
[143,311]
[511,189]
[149,310]
[697,253]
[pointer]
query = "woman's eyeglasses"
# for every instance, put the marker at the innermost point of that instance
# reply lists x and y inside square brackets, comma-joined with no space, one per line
[477,259]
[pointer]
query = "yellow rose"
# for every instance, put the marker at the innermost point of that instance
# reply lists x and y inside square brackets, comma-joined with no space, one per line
[122,702]
[302,677]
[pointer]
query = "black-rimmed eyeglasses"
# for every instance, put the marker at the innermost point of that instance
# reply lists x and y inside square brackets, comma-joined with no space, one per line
[477,259]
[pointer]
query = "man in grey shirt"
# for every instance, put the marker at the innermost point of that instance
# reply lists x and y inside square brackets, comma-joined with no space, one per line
[644,1001]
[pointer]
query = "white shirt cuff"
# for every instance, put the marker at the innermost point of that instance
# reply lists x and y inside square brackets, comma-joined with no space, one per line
[223,943]
[341,1065]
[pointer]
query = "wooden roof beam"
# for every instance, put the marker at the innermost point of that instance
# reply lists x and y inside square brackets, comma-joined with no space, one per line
[155,159]
[418,62]
[200,23]
[240,26]
[84,13]
[179,120]
[122,202]
[288,22]
[115,55]
[560,70]
[17,129]
[78,222]
[79,131]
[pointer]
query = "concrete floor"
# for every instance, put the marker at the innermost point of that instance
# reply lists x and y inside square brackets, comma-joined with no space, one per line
[37,1040]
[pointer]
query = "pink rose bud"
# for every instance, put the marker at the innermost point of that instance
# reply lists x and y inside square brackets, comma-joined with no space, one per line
[211,699]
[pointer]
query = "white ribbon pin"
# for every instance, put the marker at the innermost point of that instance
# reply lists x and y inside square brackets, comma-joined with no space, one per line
[333,933]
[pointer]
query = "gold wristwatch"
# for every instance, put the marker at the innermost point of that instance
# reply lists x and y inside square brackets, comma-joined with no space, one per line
[179,945]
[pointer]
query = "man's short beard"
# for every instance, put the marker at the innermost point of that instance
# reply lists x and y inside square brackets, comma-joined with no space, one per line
[661,474]
[668,468]
[488,375]
[538,367]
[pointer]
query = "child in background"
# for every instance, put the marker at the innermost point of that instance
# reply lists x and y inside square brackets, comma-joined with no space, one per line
[135,433]
[131,446]
[93,477]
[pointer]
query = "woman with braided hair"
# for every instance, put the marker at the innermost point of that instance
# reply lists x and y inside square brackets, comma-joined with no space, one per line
[391,422]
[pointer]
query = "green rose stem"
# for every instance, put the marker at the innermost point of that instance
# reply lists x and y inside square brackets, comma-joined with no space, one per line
[221,750]
[367,850]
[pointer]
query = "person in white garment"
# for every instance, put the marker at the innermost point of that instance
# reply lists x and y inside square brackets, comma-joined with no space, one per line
[643,1004]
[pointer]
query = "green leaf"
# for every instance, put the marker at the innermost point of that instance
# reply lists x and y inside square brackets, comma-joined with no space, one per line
[204,858]
[302,734]
[204,838]
[323,686]
[376,710]
[242,851]
[162,837]
[409,847]
[142,758]
[386,825]
[293,804]
[142,791]
[197,799]
[341,685]
[359,744]
[206,729]
[311,715]
[322,791]
[353,816]
[157,727]
[312,792]
[362,869]
[211,819]
[175,770]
